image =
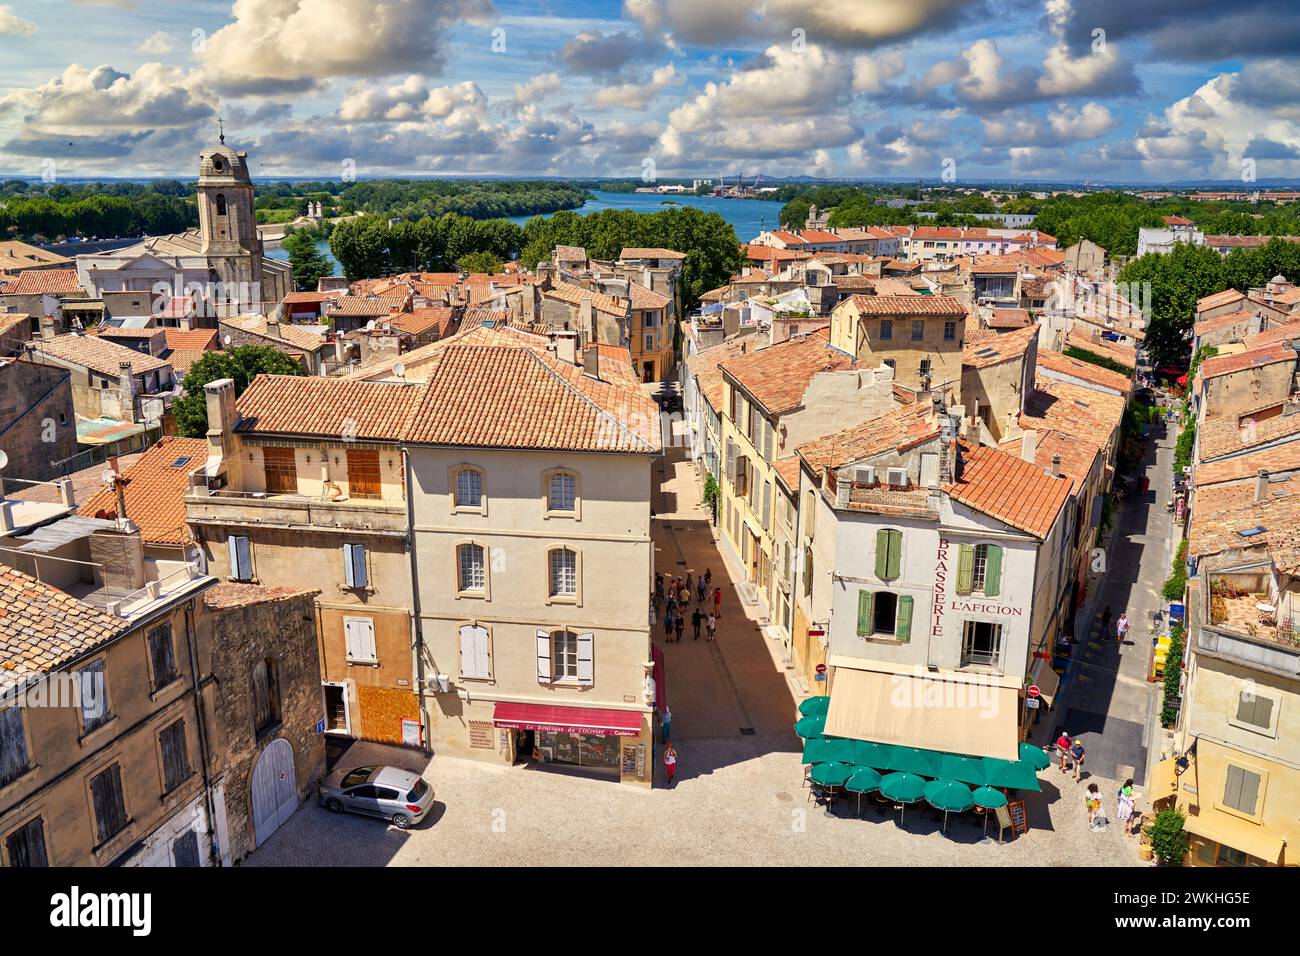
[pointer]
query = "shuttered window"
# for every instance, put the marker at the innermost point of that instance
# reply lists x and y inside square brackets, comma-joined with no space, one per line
[281,471]
[564,655]
[363,474]
[185,849]
[965,568]
[475,652]
[109,803]
[162,655]
[26,845]
[1255,710]
[903,622]
[986,569]
[889,553]
[355,572]
[13,745]
[241,558]
[360,633]
[175,756]
[1242,790]
[266,696]
[93,688]
[865,603]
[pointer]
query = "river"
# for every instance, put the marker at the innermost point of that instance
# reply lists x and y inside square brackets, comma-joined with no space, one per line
[748,217]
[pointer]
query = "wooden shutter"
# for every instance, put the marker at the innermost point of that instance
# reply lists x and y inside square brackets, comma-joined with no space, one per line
[1242,790]
[864,613]
[110,812]
[241,559]
[903,619]
[175,756]
[882,553]
[965,568]
[895,566]
[543,657]
[993,570]
[355,574]
[767,502]
[281,471]
[13,745]
[162,655]
[363,474]
[475,660]
[361,638]
[586,660]
[27,845]
[729,466]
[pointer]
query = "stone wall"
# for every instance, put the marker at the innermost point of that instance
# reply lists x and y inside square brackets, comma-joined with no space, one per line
[36,405]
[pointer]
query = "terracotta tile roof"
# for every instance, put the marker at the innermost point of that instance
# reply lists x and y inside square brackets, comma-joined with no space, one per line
[1078,455]
[515,397]
[1073,409]
[191,338]
[299,336]
[1009,319]
[646,298]
[768,253]
[1226,297]
[898,429]
[1278,458]
[1273,335]
[637,252]
[356,305]
[789,238]
[314,298]
[475,316]
[1236,433]
[327,407]
[1177,221]
[155,490]
[233,594]
[787,472]
[43,628]
[423,319]
[853,282]
[1289,297]
[16,256]
[570,254]
[40,281]
[909,305]
[183,359]
[704,366]
[1126,355]
[1085,371]
[1251,358]
[999,348]
[1225,321]
[778,376]
[97,354]
[1218,521]
[1015,492]
[574,295]
[819,236]
[993,265]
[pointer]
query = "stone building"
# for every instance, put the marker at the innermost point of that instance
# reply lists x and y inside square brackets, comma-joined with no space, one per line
[38,430]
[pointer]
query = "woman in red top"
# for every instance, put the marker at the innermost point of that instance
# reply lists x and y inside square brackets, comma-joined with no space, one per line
[717,601]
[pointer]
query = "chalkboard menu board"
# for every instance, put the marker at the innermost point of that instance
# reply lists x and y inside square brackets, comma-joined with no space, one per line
[1018,822]
[629,761]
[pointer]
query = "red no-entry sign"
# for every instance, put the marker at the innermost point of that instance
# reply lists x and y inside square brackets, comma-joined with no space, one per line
[1032,690]
[821,668]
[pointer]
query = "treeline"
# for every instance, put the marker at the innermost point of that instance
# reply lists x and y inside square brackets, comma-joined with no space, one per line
[369,247]
[424,198]
[1188,273]
[50,213]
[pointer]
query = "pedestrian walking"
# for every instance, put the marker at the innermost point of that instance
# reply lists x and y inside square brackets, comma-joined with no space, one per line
[679,625]
[702,589]
[1121,628]
[1096,815]
[689,579]
[710,626]
[1105,621]
[666,723]
[659,585]
[708,577]
[1077,753]
[668,623]
[684,597]
[1124,807]
[1063,748]
[670,762]
[696,619]
[717,601]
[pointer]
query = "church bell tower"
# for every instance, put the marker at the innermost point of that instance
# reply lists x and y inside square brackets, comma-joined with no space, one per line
[227,226]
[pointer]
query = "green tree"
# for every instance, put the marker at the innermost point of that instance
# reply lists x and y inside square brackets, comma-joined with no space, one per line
[1169,840]
[480,262]
[305,258]
[242,364]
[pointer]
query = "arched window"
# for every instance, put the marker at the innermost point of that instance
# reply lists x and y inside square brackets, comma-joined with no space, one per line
[266,695]
[471,569]
[561,492]
[221,204]
[467,488]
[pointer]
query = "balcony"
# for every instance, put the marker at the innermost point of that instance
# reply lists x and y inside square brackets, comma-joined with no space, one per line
[204,506]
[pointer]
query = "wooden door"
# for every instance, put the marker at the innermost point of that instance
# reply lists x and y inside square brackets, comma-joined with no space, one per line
[275,789]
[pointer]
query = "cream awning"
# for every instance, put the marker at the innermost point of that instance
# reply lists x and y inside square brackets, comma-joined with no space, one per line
[1224,828]
[917,710]
[1048,682]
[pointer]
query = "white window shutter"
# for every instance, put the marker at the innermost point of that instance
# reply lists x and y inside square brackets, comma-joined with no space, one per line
[543,657]
[234,556]
[474,660]
[348,578]
[586,660]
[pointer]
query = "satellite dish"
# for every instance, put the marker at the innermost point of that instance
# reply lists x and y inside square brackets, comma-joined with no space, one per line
[370,326]
[226,340]
[108,476]
[4,458]
[399,370]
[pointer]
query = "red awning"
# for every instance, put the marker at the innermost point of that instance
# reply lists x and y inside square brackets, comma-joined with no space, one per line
[568,720]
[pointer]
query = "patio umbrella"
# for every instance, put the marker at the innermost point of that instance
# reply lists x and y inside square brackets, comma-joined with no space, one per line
[1012,774]
[950,796]
[902,788]
[1036,757]
[915,760]
[810,726]
[814,706]
[962,769]
[827,750]
[989,799]
[832,774]
[867,753]
[864,780]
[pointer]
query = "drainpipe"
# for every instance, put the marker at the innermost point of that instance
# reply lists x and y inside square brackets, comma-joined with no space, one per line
[417,623]
[214,850]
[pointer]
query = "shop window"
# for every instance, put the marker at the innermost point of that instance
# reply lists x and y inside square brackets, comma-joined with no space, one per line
[981,643]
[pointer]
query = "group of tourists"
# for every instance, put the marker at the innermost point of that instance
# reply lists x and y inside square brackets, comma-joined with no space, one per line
[1072,751]
[676,595]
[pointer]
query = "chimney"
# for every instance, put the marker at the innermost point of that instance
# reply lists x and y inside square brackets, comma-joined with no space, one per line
[586,319]
[126,391]
[220,397]
[1029,447]
[273,326]
[1261,485]
[566,347]
[1056,466]
[591,360]
[936,406]
[843,486]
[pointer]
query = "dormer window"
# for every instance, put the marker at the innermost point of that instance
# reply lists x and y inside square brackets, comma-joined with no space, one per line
[217,164]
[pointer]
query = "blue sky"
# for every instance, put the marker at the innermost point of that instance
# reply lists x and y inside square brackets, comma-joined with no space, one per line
[1056,89]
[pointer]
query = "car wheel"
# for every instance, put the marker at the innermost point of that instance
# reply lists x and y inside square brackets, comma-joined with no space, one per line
[401,821]
[333,806]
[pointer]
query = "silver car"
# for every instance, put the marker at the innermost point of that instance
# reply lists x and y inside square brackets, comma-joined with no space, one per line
[390,793]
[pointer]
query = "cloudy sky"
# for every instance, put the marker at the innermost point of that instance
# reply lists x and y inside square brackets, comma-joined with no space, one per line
[1154,90]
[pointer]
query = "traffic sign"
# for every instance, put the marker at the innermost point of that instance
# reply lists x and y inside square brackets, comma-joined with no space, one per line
[816,632]
[1033,690]
[821,668]
[819,677]
[1032,703]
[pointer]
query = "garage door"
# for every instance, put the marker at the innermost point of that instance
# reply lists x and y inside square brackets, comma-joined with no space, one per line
[275,789]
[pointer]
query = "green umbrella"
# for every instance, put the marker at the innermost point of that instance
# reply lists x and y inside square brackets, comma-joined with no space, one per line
[814,706]
[867,753]
[832,774]
[827,750]
[988,798]
[1036,757]
[915,760]
[962,769]
[864,780]
[903,788]
[949,796]
[810,726]
[1012,774]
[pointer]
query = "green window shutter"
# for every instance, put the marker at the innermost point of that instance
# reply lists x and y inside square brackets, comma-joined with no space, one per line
[882,554]
[864,613]
[903,621]
[895,566]
[993,571]
[965,568]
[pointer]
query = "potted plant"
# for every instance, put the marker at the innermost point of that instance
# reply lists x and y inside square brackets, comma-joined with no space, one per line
[1169,840]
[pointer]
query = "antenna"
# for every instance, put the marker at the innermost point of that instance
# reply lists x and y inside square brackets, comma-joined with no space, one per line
[221,125]
[399,370]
